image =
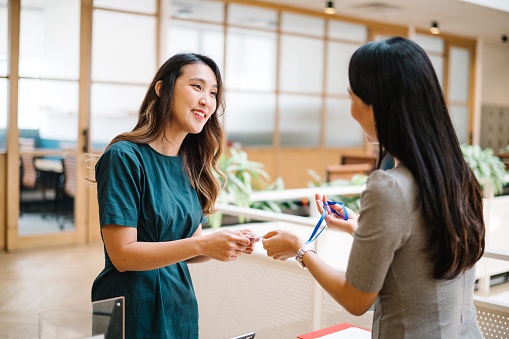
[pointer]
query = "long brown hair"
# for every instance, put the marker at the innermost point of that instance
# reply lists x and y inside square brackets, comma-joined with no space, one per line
[200,152]
[412,121]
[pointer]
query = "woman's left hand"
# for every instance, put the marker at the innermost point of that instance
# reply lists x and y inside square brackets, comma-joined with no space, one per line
[249,233]
[282,245]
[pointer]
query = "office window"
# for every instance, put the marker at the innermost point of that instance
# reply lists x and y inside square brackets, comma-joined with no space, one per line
[300,121]
[250,118]
[51,108]
[115,110]
[201,10]
[434,47]
[301,64]
[341,130]
[46,49]
[459,74]
[123,47]
[459,117]
[438,65]
[4,41]
[202,38]
[430,43]
[252,16]
[123,65]
[252,57]
[347,31]
[302,24]
[4,84]
[145,6]
[459,87]
[338,59]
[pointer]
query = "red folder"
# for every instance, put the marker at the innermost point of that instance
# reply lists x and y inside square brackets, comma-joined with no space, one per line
[328,330]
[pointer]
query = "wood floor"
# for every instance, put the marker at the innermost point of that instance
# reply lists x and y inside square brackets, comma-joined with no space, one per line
[46,279]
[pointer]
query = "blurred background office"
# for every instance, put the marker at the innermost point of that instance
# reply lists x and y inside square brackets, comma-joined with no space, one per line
[73,74]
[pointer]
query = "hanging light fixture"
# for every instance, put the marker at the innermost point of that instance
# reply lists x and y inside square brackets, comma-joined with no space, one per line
[434,28]
[329,9]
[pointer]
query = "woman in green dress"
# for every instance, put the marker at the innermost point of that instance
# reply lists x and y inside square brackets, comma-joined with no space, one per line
[155,188]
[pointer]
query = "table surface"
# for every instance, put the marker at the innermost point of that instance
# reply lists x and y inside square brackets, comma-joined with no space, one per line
[50,165]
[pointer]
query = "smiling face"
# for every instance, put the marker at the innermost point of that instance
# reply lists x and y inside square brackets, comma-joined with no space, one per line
[364,115]
[194,99]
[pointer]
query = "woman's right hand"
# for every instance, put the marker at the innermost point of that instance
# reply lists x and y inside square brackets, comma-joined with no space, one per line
[225,245]
[336,222]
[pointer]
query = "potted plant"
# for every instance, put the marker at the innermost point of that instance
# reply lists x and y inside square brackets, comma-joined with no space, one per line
[487,167]
[243,177]
[353,201]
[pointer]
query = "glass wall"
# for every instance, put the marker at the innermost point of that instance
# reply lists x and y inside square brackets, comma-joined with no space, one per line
[341,130]
[4,83]
[459,90]
[250,75]
[123,63]
[48,113]
[284,72]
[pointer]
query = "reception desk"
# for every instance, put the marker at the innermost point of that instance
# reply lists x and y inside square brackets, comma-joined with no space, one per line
[272,298]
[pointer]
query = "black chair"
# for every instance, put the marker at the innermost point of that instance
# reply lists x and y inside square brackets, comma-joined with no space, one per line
[66,191]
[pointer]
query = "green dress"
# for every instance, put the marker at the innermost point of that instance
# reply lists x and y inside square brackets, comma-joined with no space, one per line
[139,187]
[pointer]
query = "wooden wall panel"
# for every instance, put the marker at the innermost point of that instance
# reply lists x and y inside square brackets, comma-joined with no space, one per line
[293,165]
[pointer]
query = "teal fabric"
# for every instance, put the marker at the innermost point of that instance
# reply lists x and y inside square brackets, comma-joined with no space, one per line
[139,187]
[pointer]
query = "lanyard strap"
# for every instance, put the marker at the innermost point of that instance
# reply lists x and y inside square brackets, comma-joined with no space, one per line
[326,209]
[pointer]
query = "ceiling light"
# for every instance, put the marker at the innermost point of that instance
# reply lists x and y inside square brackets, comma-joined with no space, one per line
[434,28]
[329,9]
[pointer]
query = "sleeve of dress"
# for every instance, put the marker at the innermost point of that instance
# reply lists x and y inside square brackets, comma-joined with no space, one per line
[383,227]
[204,219]
[119,184]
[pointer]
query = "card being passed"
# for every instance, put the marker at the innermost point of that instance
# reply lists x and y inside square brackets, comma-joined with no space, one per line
[245,336]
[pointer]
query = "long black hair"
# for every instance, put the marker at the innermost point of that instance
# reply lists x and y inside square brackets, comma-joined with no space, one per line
[413,125]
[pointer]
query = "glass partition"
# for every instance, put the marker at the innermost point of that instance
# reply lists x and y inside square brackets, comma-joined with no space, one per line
[145,6]
[123,47]
[459,116]
[338,59]
[48,106]
[301,64]
[212,11]
[99,320]
[4,41]
[250,124]
[202,38]
[302,24]
[435,48]
[252,16]
[252,57]
[300,120]
[459,88]
[4,83]
[459,74]
[341,130]
[114,110]
[47,50]
[347,31]
[123,65]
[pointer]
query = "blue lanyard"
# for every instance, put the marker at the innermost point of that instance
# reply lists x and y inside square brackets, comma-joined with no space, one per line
[326,209]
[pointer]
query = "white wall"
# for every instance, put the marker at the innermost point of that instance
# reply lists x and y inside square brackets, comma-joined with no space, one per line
[495,73]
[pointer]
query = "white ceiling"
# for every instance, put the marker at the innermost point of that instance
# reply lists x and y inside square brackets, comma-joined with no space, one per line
[453,16]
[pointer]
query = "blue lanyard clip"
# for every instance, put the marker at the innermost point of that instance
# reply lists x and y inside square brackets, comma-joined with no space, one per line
[326,209]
